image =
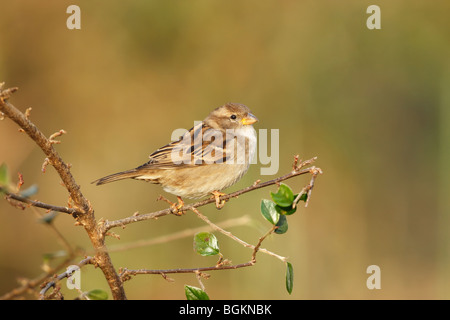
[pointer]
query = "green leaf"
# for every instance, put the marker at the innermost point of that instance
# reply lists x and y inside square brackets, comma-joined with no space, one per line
[289,277]
[284,196]
[289,210]
[4,175]
[269,211]
[194,293]
[97,294]
[285,210]
[205,243]
[282,225]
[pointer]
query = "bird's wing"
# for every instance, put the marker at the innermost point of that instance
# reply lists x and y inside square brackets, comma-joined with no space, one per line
[201,145]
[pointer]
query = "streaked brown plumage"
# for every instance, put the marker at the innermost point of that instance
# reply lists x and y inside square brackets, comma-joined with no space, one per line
[201,162]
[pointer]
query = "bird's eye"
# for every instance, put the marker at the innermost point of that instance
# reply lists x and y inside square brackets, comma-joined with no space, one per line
[233,117]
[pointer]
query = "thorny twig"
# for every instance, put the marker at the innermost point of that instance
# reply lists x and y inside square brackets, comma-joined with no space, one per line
[66,274]
[223,264]
[83,212]
[232,236]
[257,185]
[38,204]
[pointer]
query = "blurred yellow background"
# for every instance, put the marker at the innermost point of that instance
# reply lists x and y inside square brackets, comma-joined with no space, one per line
[373,105]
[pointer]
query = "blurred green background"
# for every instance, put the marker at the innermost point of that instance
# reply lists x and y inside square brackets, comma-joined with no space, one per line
[373,105]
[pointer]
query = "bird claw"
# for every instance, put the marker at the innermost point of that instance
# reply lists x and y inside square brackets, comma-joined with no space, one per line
[174,207]
[219,203]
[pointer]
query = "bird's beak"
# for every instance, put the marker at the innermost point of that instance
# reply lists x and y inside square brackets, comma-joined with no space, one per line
[249,119]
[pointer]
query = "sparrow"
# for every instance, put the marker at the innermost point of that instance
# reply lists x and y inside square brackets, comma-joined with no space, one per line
[210,157]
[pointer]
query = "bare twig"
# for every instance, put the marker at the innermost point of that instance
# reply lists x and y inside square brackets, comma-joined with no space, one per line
[81,204]
[308,189]
[56,134]
[232,236]
[27,285]
[154,215]
[38,204]
[44,165]
[258,245]
[63,275]
[28,112]
[222,264]
[177,235]
[46,146]
[20,182]
[81,209]
[126,273]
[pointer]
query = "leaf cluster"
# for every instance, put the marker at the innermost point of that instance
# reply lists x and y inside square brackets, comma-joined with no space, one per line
[275,211]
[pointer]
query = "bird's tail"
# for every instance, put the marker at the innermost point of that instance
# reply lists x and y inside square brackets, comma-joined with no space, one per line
[117,176]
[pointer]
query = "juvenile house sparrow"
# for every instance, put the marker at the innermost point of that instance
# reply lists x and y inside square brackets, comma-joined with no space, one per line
[210,157]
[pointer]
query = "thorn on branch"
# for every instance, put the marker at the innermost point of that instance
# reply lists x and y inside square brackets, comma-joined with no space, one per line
[114,235]
[219,262]
[124,274]
[52,140]
[294,166]
[5,94]
[45,164]
[27,113]
[166,277]
[70,202]
[203,275]
[222,262]
[298,164]
[308,189]
[20,182]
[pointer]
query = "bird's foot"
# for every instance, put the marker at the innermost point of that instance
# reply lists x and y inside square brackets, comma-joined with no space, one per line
[174,207]
[219,203]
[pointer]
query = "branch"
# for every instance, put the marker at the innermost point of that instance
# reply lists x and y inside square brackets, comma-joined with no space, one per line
[38,204]
[63,275]
[258,246]
[245,244]
[297,171]
[86,218]
[31,284]
[308,189]
[125,274]
[84,213]
[46,146]
[244,220]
